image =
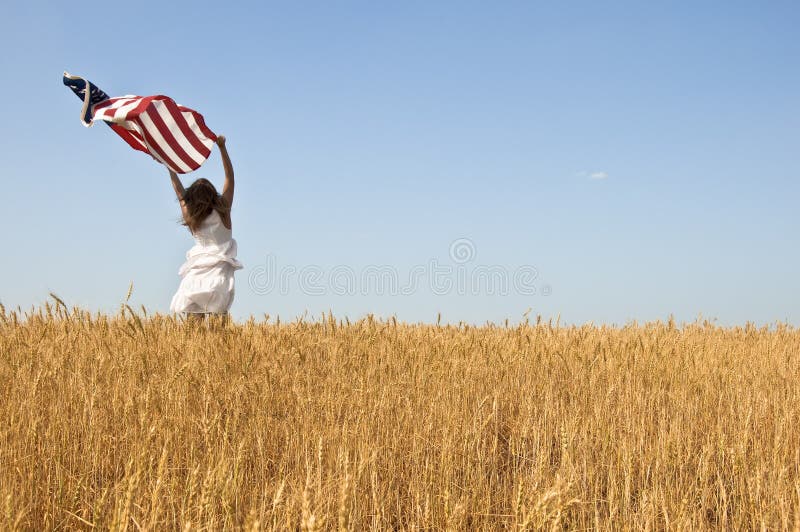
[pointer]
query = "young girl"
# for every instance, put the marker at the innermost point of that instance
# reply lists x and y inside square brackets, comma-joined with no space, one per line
[207,275]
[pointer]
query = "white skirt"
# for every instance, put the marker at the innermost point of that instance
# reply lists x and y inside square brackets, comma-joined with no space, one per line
[207,285]
[205,290]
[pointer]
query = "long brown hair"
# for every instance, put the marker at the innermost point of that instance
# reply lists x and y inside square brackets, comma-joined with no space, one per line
[200,199]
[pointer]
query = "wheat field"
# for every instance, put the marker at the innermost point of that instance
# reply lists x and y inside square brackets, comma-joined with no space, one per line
[138,422]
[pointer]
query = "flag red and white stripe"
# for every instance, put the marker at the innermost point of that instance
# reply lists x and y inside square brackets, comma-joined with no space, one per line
[172,134]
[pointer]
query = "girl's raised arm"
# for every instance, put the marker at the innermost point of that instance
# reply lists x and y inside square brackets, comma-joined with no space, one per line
[179,191]
[227,188]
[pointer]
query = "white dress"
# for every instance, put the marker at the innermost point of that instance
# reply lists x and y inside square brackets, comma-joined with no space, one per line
[207,275]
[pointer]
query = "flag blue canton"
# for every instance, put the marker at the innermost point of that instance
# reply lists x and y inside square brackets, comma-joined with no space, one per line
[78,86]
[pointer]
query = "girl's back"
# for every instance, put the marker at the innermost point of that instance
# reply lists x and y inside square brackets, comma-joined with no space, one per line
[212,231]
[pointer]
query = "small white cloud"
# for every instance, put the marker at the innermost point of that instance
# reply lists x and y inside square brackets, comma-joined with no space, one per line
[598,175]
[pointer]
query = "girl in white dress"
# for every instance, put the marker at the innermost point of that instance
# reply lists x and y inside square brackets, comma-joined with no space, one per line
[207,285]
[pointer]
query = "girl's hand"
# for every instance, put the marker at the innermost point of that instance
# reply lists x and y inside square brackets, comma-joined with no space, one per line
[220,141]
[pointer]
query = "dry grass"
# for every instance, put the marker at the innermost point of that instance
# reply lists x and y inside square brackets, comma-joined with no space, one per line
[129,422]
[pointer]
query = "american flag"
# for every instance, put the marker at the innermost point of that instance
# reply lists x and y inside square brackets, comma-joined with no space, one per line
[172,134]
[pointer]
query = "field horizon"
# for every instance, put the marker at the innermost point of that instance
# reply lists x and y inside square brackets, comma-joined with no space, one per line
[438,318]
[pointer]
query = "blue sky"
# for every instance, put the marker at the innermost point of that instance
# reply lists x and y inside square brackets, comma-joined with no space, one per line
[641,156]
